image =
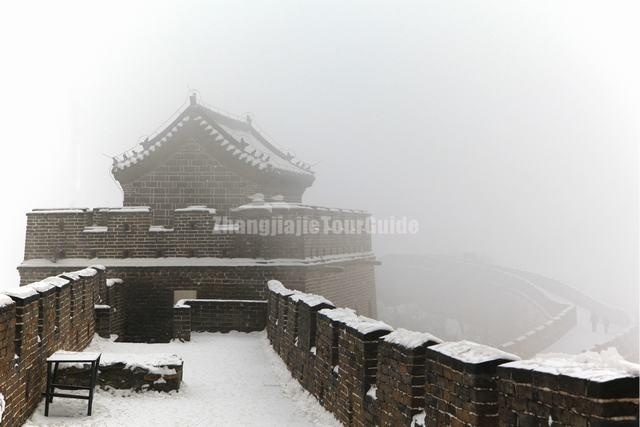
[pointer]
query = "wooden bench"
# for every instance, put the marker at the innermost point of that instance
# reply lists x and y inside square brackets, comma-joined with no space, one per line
[53,363]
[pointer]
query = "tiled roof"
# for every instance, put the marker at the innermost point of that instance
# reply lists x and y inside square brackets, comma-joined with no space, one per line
[237,138]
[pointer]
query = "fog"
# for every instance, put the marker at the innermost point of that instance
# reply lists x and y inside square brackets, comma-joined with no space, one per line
[508,130]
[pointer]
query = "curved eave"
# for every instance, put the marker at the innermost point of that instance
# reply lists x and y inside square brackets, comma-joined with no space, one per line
[215,140]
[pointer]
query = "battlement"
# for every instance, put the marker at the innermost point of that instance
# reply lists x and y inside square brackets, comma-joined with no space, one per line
[56,313]
[255,230]
[366,373]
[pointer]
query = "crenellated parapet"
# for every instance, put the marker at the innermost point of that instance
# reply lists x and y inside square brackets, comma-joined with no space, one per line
[55,313]
[274,230]
[366,373]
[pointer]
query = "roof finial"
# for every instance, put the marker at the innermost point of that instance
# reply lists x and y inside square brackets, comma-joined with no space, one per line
[248,119]
[193,98]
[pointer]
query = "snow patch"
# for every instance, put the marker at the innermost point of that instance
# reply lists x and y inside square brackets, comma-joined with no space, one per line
[410,339]
[311,300]
[196,208]
[114,281]
[471,352]
[342,315]
[41,286]
[372,392]
[57,211]
[21,292]
[277,287]
[55,281]
[5,300]
[87,272]
[366,325]
[601,366]
[126,209]
[198,261]
[95,229]
[419,419]
[159,229]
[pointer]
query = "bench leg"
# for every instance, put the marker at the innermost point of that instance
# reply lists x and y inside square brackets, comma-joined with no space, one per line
[54,379]
[94,370]
[48,391]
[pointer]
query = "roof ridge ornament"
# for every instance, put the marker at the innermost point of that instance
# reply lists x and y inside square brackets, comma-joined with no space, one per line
[193,98]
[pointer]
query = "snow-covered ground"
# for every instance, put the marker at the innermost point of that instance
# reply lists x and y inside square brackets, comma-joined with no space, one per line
[232,379]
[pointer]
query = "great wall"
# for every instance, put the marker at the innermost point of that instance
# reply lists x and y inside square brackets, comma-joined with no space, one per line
[179,257]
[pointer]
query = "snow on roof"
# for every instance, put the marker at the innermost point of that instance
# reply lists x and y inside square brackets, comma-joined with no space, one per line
[342,315]
[98,267]
[601,366]
[366,325]
[113,281]
[196,208]
[20,292]
[471,352]
[410,339]
[311,300]
[95,229]
[102,306]
[5,300]
[238,137]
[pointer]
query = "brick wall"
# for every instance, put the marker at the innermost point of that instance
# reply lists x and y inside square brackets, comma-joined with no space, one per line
[150,290]
[191,176]
[530,395]
[128,233]
[36,320]
[366,374]
[210,315]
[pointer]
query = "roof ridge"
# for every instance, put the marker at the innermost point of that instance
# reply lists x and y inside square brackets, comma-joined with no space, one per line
[247,142]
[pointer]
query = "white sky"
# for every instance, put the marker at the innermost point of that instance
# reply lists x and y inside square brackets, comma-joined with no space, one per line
[508,129]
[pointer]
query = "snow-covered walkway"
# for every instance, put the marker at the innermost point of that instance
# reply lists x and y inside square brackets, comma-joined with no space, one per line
[230,379]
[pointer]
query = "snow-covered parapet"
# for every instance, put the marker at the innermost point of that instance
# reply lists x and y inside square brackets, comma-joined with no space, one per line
[340,315]
[311,300]
[583,389]
[56,281]
[87,272]
[277,287]
[410,339]
[472,353]
[365,325]
[600,367]
[22,292]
